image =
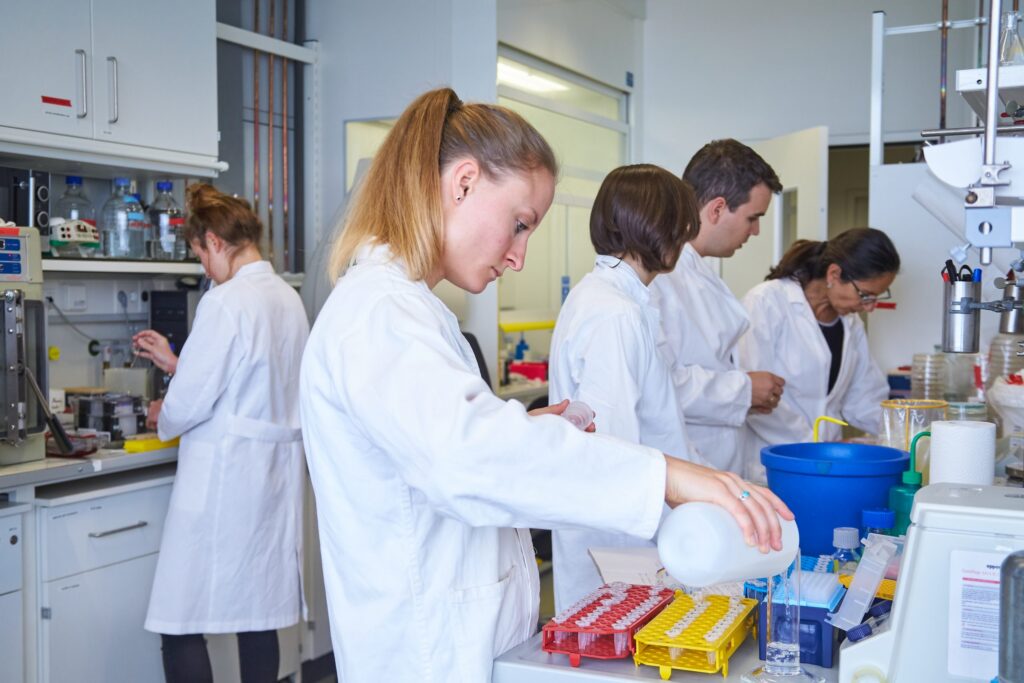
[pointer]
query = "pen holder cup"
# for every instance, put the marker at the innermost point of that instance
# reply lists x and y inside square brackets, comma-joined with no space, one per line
[1012,321]
[961,324]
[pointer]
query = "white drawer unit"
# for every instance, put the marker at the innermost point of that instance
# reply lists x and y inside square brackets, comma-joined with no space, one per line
[12,640]
[12,627]
[92,630]
[94,533]
[98,545]
[11,543]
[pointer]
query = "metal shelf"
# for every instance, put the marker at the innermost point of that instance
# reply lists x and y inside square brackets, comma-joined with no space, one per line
[105,266]
[971,83]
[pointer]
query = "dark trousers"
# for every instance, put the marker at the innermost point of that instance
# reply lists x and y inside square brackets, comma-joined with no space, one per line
[186,659]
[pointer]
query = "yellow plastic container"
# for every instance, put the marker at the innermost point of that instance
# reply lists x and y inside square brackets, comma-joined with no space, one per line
[140,443]
[690,651]
[886,589]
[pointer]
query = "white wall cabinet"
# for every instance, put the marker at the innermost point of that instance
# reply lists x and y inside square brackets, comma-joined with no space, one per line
[139,73]
[98,545]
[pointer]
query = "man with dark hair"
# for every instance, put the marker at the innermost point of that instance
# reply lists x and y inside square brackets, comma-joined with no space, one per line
[701,319]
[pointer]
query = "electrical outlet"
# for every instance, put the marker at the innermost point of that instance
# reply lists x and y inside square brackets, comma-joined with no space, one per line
[133,296]
[75,298]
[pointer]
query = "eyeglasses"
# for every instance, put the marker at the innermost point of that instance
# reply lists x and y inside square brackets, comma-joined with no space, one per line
[867,299]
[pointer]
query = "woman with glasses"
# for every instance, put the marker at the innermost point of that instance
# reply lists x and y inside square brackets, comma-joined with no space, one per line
[804,327]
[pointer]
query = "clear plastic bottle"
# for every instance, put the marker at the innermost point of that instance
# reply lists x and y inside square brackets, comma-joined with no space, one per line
[579,414]
[846,540]
[167,220]
[123,225]
[74,205]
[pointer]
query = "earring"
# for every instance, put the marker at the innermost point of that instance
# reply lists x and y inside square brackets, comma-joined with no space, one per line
[458,199]
[828,285]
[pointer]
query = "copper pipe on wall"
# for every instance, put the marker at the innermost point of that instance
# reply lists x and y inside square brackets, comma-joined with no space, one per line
[944,32]
[271,31]
[256,114]
[284,139]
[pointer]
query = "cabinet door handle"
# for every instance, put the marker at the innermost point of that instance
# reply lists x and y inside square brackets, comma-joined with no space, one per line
[113,90]
[111,532]
[83,104]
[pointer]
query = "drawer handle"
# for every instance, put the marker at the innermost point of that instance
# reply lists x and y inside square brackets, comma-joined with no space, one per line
[101,534]
[84,102]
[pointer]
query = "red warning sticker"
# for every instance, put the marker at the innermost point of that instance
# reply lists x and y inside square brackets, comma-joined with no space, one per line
[56,106]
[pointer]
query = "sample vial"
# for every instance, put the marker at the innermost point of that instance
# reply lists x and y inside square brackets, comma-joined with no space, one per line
[579,414]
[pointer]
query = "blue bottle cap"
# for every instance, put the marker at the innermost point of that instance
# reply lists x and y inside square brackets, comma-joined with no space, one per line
[878,518]
[164,185]
[73,180]
[858,632]
[121,182]
[879,608]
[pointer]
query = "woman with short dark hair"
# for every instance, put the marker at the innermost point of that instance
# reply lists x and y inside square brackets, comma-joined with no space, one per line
[805,328]
[604,351]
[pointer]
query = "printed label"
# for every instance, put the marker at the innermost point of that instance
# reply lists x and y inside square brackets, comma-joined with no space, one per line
[56,106]
[974,613]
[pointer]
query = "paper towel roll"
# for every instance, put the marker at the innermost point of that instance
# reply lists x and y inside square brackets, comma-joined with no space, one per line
[963,452]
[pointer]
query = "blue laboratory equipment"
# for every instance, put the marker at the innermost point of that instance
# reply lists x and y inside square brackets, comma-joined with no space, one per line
[782,647]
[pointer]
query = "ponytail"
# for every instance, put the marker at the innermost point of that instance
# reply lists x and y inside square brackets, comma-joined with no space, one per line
[399,201]
[861,253]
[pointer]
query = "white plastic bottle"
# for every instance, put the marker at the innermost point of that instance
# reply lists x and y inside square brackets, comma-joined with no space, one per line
[579,414]
[700,544]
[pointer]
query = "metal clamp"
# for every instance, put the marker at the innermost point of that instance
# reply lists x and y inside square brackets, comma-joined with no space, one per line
[111,532]
[12,362]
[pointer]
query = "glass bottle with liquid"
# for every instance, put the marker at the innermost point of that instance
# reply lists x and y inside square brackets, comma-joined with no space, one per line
[168,221]
[123,225]
[846,540]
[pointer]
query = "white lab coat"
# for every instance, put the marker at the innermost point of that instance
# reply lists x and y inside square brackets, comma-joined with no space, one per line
[420,472]
[231,554]
[604,353]
[701,323]
[785,338]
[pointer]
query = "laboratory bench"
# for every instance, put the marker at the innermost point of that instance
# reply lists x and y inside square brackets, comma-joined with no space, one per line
[81,537]
[527,663]
[52,470]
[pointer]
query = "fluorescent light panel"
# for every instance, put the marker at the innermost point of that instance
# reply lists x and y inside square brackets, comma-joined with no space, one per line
[522,79]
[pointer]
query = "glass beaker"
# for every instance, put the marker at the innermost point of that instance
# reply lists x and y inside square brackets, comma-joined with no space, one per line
[903,419]
[1011,50]
[782,632]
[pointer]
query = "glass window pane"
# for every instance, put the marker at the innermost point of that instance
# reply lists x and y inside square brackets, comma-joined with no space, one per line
[362,140]
[537,82]
[576,143]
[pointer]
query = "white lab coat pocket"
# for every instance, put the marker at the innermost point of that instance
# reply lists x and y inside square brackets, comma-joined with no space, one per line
[475,616]
[192,480]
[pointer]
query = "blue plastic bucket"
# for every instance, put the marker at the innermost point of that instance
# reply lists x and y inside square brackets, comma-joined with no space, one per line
[828,485]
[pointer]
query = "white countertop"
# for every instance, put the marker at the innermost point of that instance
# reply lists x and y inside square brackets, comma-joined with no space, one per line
[50,470]
[529,664]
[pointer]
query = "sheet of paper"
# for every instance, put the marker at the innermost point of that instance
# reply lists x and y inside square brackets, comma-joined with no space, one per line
[974,613]
[631,565]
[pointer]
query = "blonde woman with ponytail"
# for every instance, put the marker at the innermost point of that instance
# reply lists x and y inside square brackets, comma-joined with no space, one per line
[422,475]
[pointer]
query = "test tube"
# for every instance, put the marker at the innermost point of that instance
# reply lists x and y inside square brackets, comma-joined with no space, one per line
[782,632]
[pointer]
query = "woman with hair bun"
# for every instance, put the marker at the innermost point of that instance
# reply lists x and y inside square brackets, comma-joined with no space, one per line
[231,554]
[805,327]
